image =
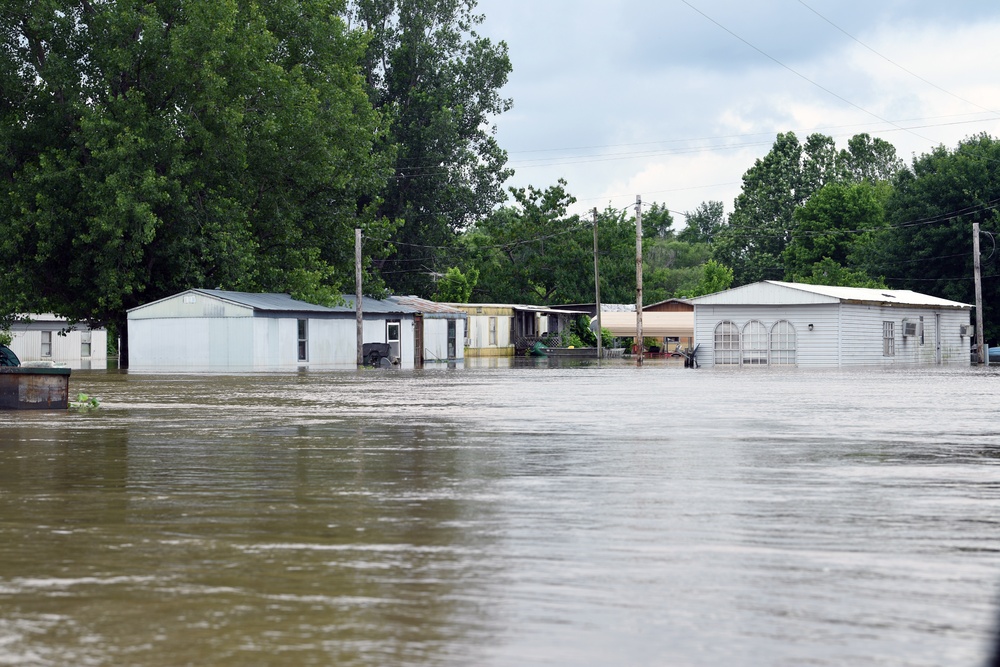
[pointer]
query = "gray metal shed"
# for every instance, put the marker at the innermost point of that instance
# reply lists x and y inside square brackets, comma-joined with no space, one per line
[219,330]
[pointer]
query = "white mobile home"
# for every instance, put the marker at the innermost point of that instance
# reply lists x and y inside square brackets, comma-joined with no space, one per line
[217,330]
[47,337]
[793,324]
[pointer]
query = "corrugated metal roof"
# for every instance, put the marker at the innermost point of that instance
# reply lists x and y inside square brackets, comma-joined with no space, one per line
[775,292]
[270,302]
[375,306]
[427,306]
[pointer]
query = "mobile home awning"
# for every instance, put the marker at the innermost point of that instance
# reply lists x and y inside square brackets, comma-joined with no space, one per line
[654,324]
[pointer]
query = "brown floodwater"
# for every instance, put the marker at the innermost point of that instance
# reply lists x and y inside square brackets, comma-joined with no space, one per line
[576,515]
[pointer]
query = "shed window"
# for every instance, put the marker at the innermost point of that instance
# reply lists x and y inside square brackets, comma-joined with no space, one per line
[85,344]
[392,337]
[303,340]
[452,338]
[783,343]
[493,331]
[755,343]
[727,343]
[46,343]
[888,339]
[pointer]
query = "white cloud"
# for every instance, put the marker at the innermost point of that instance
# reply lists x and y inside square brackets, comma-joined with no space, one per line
[652,98]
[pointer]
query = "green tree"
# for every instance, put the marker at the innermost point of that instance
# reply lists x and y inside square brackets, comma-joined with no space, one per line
[455,286]
[927,246]
[830,272]
[830,226]
[704,223]
[657,222]
[761,225]
[437,82]
[531,252]
[758,229]
[868,159]
[159,145]
[715,278]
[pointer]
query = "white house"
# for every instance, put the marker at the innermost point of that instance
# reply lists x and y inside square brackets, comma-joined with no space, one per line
[793,324]
[439,330]
[217,330]
[47,337]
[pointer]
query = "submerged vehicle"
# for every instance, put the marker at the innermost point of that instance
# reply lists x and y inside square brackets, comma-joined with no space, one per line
[7,357]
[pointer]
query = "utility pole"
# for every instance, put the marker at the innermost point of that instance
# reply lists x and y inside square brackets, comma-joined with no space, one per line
[638,279]
[980,356]
[597,292]
[357,298]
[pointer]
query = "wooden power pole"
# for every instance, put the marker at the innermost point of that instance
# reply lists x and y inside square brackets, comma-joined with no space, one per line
[980,355]
[638,279]
[357,298]
[597,291]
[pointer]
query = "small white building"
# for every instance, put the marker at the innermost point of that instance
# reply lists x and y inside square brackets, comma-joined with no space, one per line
[439,330]
[47,337]
[793,324]
[217,330]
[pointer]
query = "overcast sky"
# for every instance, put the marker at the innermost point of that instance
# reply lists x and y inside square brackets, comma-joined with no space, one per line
[675,99]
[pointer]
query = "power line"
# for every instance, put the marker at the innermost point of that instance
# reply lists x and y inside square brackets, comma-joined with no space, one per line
[800,75]
[895,64]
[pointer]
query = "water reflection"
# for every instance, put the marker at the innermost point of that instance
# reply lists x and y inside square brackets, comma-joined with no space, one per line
[569,514]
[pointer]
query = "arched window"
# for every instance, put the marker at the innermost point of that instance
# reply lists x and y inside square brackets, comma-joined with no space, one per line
[727,343]
[783,343]
[754,343]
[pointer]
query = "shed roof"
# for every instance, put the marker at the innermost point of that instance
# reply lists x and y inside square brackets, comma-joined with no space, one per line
[375,306]
[778,293]
[271,302]
[429,308]
[466,307]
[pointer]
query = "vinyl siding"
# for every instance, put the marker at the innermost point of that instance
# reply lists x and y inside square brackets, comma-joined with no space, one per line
[254,343]
[862,339]
[844,334]
[27,345]
[813,348]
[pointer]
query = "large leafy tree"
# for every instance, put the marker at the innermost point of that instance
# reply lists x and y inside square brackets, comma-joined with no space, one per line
[704,223]
[438,84]
[762,223]
[531,252]
[832,227]
[928,245]
[156,145]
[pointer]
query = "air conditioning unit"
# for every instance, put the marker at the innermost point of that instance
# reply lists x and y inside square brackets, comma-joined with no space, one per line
[967,330]
[468,342]
[911,328]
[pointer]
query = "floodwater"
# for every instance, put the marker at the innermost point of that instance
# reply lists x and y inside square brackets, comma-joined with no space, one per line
[503,517]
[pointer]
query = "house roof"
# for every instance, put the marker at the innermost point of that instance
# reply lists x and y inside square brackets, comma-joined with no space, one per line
[376,306]
[428,307]
[776,292]
[271,302]
[515,306]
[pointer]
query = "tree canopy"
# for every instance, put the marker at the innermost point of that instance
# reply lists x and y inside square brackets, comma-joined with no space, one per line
[160,145]
[437,84]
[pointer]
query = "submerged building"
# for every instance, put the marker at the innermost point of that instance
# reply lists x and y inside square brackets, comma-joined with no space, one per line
[773,323]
